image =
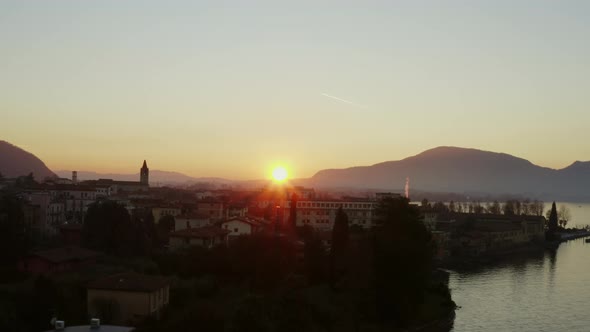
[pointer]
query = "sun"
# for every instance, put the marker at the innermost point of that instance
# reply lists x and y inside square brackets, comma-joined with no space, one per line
[279,173]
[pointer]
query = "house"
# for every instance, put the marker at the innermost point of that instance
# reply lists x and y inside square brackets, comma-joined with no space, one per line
[162,211]
[127,298]
[57,260]
[208,237]
[213,208]
[191,220]
[241,226]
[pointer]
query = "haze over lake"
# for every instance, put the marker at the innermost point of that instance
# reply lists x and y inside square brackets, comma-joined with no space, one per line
[546,291]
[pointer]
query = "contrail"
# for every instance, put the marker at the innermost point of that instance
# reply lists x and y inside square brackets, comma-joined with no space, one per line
[343,100]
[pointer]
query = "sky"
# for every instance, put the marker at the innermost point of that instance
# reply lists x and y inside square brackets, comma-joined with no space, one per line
[232,88]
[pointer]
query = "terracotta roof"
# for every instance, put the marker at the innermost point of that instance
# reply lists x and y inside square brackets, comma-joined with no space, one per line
[65,254]
[201,232]
[130,282]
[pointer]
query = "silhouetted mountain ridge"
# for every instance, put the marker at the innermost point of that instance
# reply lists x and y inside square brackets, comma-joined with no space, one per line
[453,169]
[15,162]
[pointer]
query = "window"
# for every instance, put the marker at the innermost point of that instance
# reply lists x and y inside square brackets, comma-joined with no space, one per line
[235,230]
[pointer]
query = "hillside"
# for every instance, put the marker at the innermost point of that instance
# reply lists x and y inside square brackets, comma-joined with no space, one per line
[15,161]
[452,169]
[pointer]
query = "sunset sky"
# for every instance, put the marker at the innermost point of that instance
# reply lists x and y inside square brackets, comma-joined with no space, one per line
[230,88]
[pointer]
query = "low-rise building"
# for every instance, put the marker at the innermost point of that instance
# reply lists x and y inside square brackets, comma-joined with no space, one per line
[57,260]
[214,209]
[191,220]
[321,214]
[241,226]
[208,237]
[127,298]
[169,210]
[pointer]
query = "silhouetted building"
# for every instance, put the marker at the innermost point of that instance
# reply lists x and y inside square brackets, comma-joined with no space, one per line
[208,237]
[144,174]
[128,298]
[57,260]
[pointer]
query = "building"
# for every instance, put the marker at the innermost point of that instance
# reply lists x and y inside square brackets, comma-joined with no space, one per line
[208,237]
[321,214]
[214,209]
[192,220]
[127,298]
[166,210]
[116,186]
[241,226]
[58,260]
[475,234]
[237,210]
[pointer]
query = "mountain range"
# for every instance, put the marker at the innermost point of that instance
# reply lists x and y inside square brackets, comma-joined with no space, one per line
[442,169]
[462,170]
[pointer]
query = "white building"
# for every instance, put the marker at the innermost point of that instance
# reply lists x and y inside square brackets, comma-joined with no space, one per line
[241,226]
[321,214]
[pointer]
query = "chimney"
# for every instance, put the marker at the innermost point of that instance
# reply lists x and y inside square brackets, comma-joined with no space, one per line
[74,177]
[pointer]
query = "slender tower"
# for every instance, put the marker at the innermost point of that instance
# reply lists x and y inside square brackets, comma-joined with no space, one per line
[144,174]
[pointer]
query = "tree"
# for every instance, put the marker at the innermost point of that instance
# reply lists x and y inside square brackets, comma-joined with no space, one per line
[517,207]
[563,214]
[452,206]
[293,214]
[537,208]
[494,208]
[108,227]
[552,224]
[314,256]
[165,225]
[509,208]
[440,207]
[403,257]
[13,231]
[425,204]
[339,249]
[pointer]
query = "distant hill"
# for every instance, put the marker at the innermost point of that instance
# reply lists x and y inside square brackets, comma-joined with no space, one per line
[461,170]
[156,177]
[15,161]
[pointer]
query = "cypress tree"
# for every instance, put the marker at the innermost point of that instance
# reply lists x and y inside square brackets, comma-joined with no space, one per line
[552,225]
[339,249]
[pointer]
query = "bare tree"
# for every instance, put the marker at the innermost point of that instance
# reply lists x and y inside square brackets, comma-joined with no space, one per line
[564,214]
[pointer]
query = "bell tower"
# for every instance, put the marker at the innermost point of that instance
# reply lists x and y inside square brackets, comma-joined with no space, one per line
[144,174]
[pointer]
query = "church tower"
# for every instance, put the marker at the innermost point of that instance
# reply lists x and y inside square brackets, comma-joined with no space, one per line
[144,174]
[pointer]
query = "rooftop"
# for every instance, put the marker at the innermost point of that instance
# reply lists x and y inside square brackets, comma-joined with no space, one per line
[65,254]
[201,232]
[130,282]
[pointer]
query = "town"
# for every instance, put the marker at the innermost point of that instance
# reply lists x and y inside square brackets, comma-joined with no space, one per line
[123,251]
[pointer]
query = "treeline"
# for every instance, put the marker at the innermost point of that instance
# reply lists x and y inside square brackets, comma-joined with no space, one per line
[380,278]
[510,207]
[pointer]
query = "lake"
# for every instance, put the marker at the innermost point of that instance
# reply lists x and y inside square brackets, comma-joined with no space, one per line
[544,291]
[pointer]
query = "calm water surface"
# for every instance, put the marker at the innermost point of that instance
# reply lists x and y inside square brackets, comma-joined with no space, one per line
[547,291]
